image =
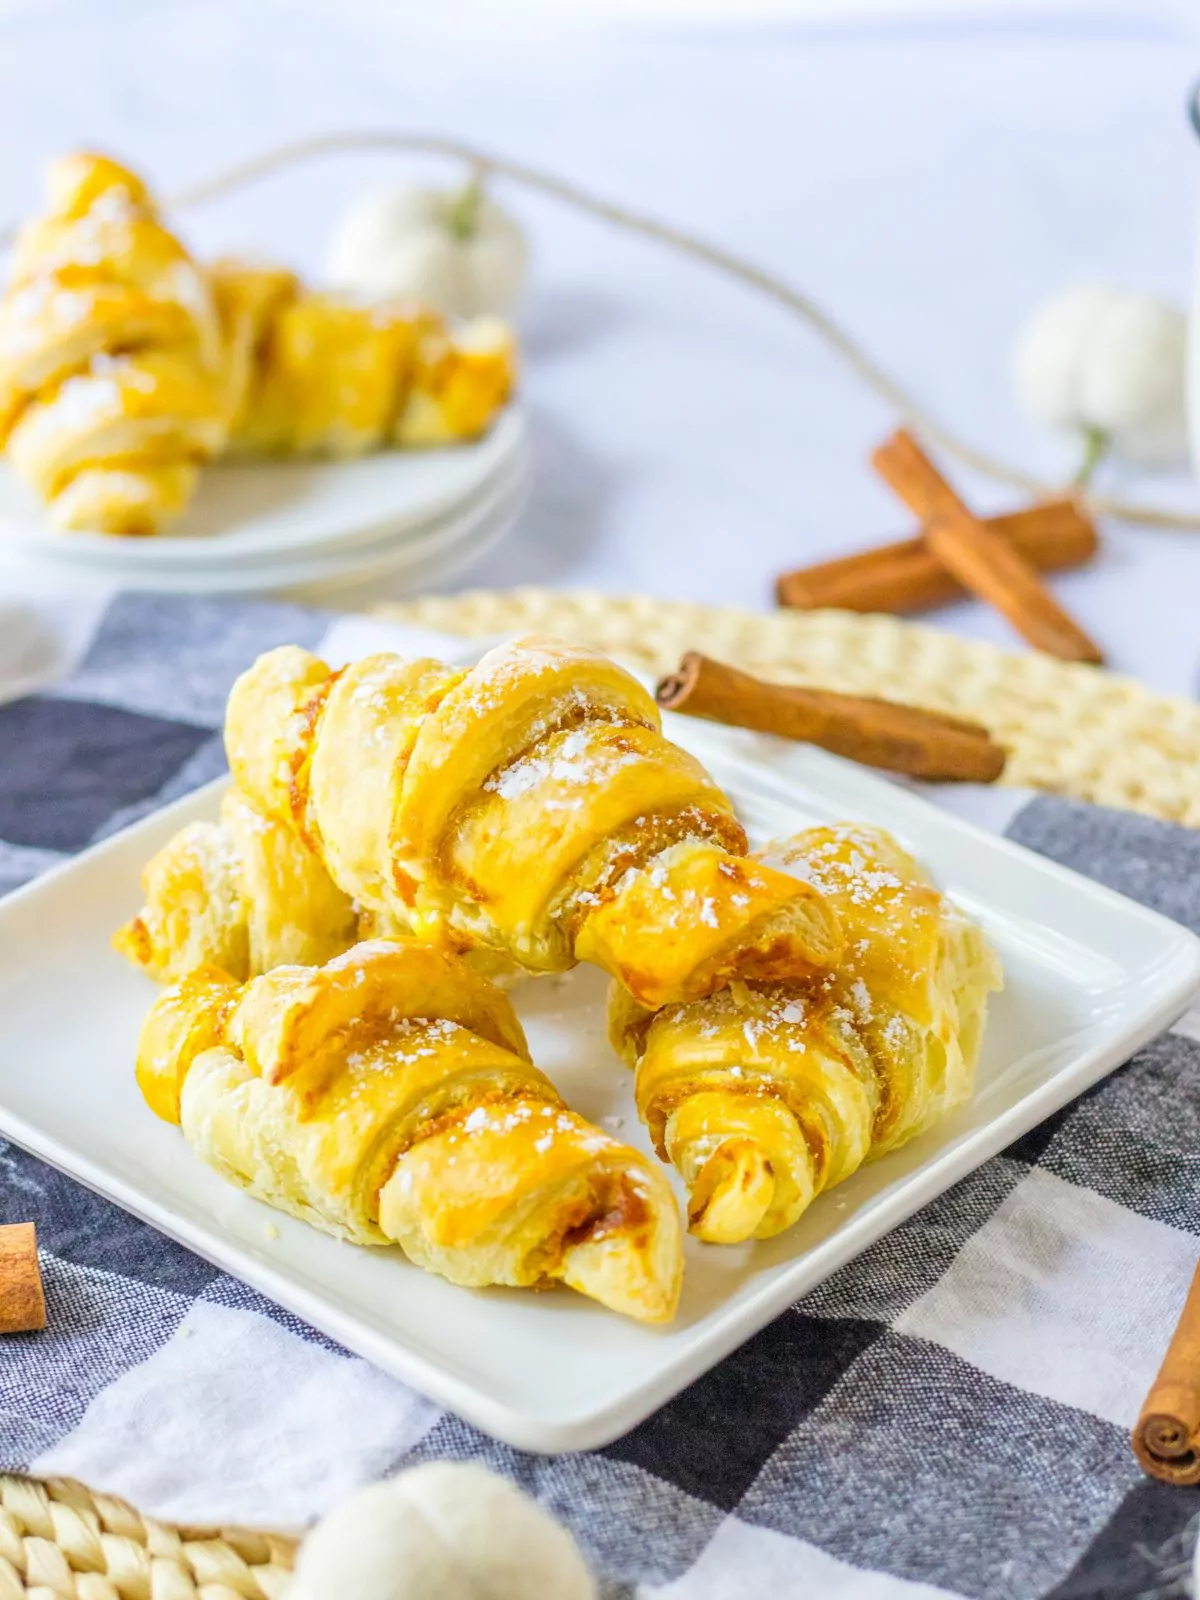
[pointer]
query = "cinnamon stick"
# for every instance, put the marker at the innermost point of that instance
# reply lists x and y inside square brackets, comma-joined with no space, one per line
[907,576]
[1166,1438]
[983,562]
[22,1303]
[879,733]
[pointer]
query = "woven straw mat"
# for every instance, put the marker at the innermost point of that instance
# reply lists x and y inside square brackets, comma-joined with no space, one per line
[1069,729]
[60,1541]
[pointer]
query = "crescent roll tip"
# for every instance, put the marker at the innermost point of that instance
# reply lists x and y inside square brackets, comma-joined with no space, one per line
[768,1093]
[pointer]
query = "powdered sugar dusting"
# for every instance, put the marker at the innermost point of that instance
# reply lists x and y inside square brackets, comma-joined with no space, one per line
[575,762]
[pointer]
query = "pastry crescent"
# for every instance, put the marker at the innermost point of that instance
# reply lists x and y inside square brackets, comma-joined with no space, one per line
[769,1093]
[387,1097]
[531,806]
[111,390]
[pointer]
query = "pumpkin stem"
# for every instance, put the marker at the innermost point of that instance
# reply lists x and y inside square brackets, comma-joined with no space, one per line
[462,219]
[1095,447]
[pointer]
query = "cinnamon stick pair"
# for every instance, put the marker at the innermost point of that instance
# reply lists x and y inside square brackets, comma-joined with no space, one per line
[879,733]
[995,559]
[982,560]
[907,576]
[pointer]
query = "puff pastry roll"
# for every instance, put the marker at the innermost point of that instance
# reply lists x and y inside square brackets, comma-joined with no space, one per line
[388,1098]
[766,1095]
[315,374]
[110,356]
[245,894]
[530,806]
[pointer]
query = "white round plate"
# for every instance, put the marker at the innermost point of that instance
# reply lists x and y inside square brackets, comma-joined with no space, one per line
[413,543]
[435,553]
[409,567]
[250,511]
[351,588]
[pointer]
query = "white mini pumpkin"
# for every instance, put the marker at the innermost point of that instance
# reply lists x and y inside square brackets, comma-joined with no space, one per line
[445,1531]
[1108,364]
[457,251]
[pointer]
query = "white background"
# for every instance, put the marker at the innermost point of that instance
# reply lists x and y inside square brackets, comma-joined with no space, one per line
[928,173]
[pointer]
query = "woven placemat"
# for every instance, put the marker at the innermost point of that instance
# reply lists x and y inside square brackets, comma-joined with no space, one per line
[60,1541]
[1068,729]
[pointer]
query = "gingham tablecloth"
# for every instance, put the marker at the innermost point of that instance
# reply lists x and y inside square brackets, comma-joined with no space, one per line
[946,1415]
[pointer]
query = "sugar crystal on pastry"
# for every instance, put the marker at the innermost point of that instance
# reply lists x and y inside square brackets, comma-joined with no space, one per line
[529,806]
[767,1094]
[111,382]
[387,1097]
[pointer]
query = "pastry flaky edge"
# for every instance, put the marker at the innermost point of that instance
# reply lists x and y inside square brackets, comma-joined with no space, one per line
[530,806]
[243,893]
[768,1094]
[246,893]
[387,1097]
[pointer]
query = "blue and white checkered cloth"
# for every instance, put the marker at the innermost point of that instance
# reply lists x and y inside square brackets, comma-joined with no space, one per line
[947,1415]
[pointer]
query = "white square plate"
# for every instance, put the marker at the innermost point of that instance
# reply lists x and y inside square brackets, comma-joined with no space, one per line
[1090,977]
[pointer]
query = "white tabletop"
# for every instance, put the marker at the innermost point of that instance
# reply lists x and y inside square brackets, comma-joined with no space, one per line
[928,173]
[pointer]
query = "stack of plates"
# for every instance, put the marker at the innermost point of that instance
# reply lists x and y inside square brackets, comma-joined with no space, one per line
[394,523]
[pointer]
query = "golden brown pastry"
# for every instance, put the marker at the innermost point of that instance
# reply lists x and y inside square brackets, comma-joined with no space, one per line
[770,1093]
[460,380]
[530,806]
[245,894]
[315,374]
[111,361]
[388,1098]
[247,299]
